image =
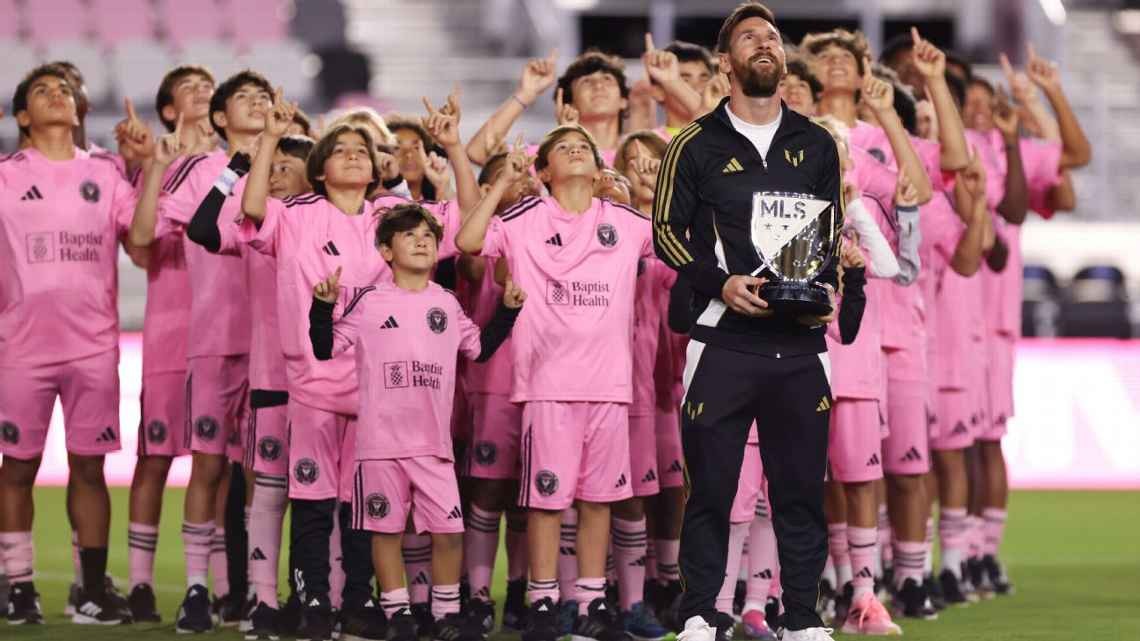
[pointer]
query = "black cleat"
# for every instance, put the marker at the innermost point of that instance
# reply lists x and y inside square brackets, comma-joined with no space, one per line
[142,604]
[951,588]
[933,589]
[542,622]
[725,626]
[402,626]
[668,601]
[995,572]
[600,623]
[262,623]
[227,610]
[425,623]
[194,613]
[483,612]
[772,613]
[514,609]
[979,579]
[738,595]
[97,608]
[316,620]
[843,604]
[911,601]
[458,627]
[364,622]
[289,616]
[24,604]
[825,603]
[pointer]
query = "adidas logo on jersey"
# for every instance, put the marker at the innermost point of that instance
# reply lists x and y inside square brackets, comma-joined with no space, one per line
[455,513]
[33,194]
[107,436]
[874,460]
[824,404]
[649,477]
[621,482]
[960,428]
[390,323]
[675,466]
[257,555]
[330,249]
[912,455]
[555,240]
[732,167]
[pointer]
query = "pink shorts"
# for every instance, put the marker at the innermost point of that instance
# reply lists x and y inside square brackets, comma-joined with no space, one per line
[854,447]
[749,487]
[384,491]
[322,450]
[267,441]
[493,452]
[88,390]
[670,459]
[906,449]
[958,412]
[999,379]
[643,455]
[574,451]
[218,392]
[162,419]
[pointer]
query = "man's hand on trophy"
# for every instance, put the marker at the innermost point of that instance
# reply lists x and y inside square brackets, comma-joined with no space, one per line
[740,293]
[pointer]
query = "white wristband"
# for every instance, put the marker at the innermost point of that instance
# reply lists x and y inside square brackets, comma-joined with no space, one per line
[226,181]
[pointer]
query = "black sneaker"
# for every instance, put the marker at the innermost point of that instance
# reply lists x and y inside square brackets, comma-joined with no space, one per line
[458,627]
[289,616]
[262,623]
[933,589]
[979,579]
[600,623]
[425,623]
[118,600]
[247,608]
[913,602]
[316,620]
[144,608]
[514,609]
[772,613]
[72,602]
[402,626]
[668,599]
[843,605]
[995,571]
[227,610]
[542,621]
[725,626]
[483,612]
[738,595]
[24,604]
[363,622]
[951,588]
[194,613]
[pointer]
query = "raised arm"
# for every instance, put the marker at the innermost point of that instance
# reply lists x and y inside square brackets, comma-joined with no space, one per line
[256,194]
[145,220]
[538,76]
[1015,204]
[664,69]
[884,264]
[1076,151]
[443,125]
[326,337]
[970,201]
[472,233]
[931,63]
[879,96]
[203,228]
[498,329]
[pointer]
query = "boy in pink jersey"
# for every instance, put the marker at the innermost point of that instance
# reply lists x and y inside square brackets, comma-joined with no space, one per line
[218,357]
[67,211]
[311,236]
[492,464]
[572,359]
[407,334]
[676,77]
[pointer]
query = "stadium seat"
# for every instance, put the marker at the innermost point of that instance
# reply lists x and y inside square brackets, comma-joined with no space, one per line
[11,25]
[1040,303]
[265,20]
[216,55]
[137,67]
[182,22]
[18,59]
[57,20]
[115,21]
[1096,304]
[284,64]
[90,60]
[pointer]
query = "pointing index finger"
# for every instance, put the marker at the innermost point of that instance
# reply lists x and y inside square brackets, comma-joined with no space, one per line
[914,35]
[428,106]
[649,42]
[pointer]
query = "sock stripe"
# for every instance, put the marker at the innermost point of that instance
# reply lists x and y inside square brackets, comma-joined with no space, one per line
[198,530]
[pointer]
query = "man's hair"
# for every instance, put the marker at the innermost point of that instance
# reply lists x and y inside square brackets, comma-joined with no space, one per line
[853,41]
[315,165]
[20,97]
[689,52]
[558,133]
[590,62]
[654,143]
[405,217]
[799,68]
[895,46]
[953,58]
[492,167]
[227,89]
[165,96]
[741,13]
[365,116]
[300,118]
[296,146]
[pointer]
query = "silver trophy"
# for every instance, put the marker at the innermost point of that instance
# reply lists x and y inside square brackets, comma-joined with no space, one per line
[795,236]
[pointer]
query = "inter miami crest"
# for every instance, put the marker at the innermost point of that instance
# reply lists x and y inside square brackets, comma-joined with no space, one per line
[9,433]
[486,453]
[546,482]
[306,471]
[377,506]
[206,427]
[607,235]
[437,320]
[90,191]
[269,448]
[156,432]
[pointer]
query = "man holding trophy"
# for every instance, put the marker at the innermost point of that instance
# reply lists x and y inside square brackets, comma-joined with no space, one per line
[748,210]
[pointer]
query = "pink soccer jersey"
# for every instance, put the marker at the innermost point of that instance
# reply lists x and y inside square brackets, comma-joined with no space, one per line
[166,324]
[480,302]
[572,341]
[652,300]
[219,303]
[857,369]
[60,223]
[266,358]
[405,354]
[310,238]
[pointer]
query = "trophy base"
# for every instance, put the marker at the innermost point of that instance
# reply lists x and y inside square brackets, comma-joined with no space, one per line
[796,299]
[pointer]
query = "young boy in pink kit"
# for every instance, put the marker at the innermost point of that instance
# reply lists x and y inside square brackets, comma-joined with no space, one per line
[64,215]
[573,364]
[311,236]
[407,334]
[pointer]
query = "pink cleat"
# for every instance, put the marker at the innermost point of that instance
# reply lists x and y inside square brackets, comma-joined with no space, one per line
[755,627]
[868,616]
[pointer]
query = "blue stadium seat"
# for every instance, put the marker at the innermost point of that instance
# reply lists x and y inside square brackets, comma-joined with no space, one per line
[1096,304]
[1040,302]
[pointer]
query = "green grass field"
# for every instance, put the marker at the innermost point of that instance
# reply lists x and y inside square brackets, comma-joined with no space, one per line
[1074,557]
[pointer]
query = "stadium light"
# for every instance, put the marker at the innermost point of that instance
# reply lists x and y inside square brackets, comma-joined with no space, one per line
[1054,10]
[576,5]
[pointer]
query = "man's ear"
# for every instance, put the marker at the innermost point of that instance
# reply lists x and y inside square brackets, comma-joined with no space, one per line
[386,253]
[218,118]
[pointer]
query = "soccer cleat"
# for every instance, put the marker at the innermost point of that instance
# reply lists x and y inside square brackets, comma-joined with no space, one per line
[933,589]
[755,626]
[144,608]
[772,613]
[725,626]
[363,622]
[825,604]
[483,612]
[194,613]
[289,617]
[118,600]
[96,609]
[697,629]
[668,600]
[642,624]
[567,615]
[316,619]
[995,572]
[600,623]
[458,627]
[514,609]
[868,616]
[951,588]
[247,608]
[843,604]
[263,623]
[227,610]
[402,626]
[541,621]
[425,623]
[912,603]
[979,579]
[24,604]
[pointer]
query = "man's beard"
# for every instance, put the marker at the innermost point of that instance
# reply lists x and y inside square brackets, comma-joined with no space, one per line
[757,84]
